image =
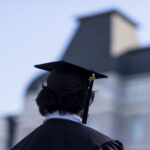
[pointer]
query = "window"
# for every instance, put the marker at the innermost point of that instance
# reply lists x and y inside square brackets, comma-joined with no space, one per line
[137,128]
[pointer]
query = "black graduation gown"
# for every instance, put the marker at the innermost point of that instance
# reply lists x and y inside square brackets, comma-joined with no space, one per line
[61,134]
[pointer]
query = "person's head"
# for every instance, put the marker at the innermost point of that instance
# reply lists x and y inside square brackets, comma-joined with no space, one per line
[66,91]
[68,88]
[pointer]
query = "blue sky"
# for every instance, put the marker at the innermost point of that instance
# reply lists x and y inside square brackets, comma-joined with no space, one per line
[38,31]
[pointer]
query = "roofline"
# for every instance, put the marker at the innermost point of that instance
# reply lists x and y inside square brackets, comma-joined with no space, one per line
[113,11]
[138,50]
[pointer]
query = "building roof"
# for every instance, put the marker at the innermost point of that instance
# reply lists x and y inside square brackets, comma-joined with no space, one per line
[134,62]
[108,13]
[91,44]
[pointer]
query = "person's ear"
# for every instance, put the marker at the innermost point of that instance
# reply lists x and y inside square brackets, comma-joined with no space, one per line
[81,113]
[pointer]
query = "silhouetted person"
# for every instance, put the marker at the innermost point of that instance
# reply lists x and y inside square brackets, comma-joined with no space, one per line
[64,101]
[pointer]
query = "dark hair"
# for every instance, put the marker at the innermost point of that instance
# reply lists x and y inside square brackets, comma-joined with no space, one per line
[49,101]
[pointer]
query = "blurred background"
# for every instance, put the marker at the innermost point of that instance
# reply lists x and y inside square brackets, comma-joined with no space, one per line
[110,36]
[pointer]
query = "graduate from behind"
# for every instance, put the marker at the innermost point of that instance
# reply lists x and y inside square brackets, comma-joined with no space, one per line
[64,101]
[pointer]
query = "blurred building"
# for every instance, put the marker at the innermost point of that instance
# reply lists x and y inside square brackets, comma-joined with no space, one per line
[2,133]
[107,43]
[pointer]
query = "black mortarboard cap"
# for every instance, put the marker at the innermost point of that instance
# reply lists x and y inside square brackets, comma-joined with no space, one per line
[64,74]
[66,65]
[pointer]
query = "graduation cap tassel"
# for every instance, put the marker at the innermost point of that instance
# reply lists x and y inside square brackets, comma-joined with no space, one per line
[86,108]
